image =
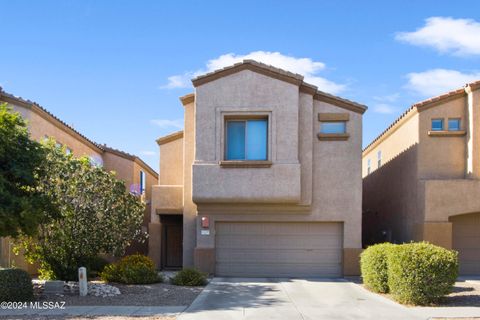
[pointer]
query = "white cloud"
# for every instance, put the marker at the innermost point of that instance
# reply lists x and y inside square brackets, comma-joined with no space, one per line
[447,35]
[384,108]
[178,81]
[388,98]
[148,153]
[303,66]
[437,81]
[168,124]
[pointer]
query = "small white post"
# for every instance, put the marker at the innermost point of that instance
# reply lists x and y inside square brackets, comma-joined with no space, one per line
[82,281]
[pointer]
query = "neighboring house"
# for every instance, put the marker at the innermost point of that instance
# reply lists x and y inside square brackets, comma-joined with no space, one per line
[422,177]
[265,179]
[136,174]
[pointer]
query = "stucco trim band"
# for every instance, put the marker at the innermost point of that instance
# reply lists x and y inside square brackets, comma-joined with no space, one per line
[169,211]
[170,137]
[326,117]
[245,164]
[445,133]
[333,136]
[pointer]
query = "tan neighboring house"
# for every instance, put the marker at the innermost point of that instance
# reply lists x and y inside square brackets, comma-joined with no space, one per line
[265,179]
[421,177]
[137,175]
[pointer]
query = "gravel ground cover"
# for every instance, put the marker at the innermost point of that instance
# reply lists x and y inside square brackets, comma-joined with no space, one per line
[465,294]
[157,294]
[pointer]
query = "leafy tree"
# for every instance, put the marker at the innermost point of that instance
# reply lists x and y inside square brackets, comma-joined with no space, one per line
[22,207]
[97,215]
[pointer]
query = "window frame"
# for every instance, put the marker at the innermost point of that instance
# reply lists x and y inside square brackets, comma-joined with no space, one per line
[379,158]
[442,121]
[459,120]
[322,123]
[245,118]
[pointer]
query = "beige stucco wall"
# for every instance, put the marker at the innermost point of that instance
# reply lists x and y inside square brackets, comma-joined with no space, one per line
[171,163]
[415,194]
[39,128]
[442,157]
[246,93]
[324,177]
[389,192]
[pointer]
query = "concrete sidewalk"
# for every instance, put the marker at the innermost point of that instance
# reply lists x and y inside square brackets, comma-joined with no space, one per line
[100,311]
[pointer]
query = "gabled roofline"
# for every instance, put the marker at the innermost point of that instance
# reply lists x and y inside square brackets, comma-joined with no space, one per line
[170,137]
[278,74]
[44,113]
[131,157]
[252,65]
[419,107]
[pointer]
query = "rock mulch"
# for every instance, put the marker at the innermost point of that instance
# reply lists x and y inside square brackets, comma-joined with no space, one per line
[116,294]
[465,294]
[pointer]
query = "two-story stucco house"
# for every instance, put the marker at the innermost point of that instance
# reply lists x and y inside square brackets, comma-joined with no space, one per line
[421,177]
[265,179]
[137,175]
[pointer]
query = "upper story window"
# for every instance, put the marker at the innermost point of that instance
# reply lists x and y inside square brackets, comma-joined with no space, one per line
[246,139]
[379,158]
[142,182]
[333,127]
[437,124]
[368,166]
[68,150]
[453,124]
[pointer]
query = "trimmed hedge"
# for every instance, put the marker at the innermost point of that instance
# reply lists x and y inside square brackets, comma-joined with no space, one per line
[421,273]
[134,269]
[190,277]
[374,268]
[15,285]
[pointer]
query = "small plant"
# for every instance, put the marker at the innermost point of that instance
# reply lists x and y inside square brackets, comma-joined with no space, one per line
[421,273]
[190,277]
[373,264]
[110,273]
[134,269]
[15,285]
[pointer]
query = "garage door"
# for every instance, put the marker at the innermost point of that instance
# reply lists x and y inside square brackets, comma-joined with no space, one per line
[466,240]
[278,249]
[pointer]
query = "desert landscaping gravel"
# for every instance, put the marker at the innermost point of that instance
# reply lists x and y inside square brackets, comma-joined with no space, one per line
[465,294]
[157,294]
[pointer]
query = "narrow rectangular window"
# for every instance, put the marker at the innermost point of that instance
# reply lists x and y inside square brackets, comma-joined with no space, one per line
[368,166]
[246,139]
[142,182]
[437,124]
[68,150]
[379,159]
[333,127]
[453,124]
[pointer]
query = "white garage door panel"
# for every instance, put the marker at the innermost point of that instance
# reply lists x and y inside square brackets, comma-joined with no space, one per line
[278,249]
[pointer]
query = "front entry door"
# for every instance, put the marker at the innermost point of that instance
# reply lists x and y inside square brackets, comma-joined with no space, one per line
[172,238]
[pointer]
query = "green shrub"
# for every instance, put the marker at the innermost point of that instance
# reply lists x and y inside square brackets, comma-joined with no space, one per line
[374,268]
[190,277]
[134,269]
[95,266]
[421,273]
[110,273]
[15,285]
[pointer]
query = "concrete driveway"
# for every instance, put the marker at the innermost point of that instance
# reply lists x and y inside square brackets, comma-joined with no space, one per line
[236,298]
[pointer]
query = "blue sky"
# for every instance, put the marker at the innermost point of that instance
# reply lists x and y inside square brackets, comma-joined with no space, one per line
[115,69]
